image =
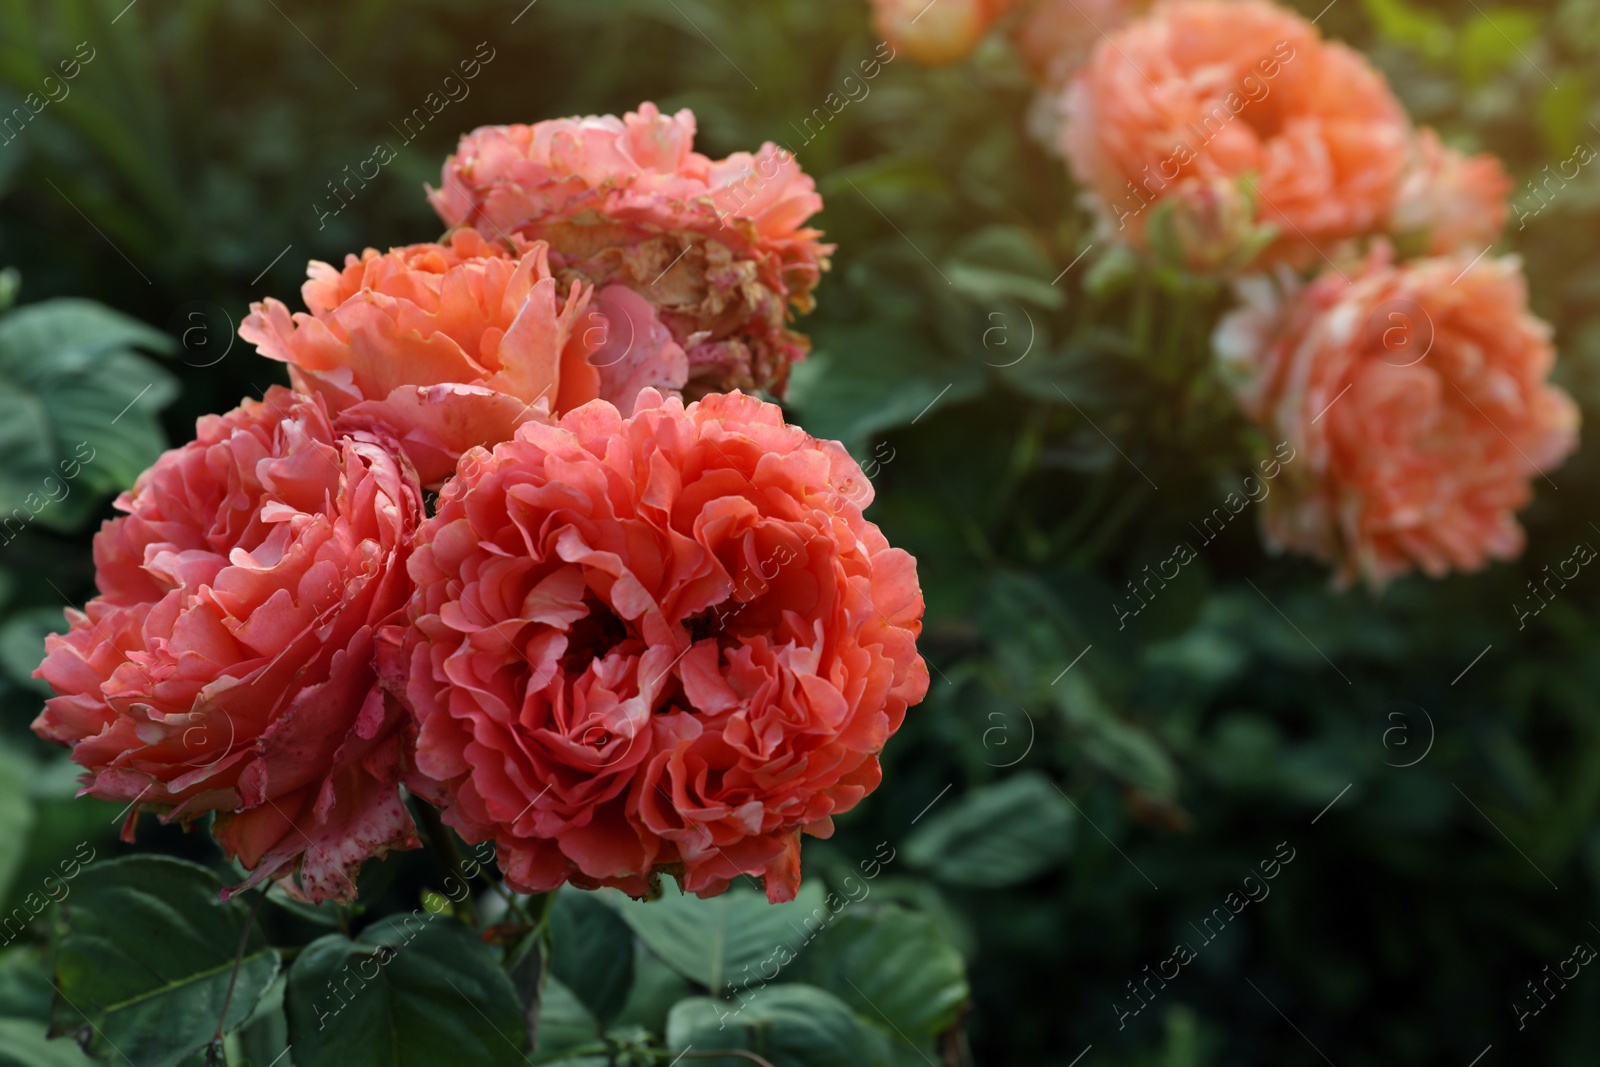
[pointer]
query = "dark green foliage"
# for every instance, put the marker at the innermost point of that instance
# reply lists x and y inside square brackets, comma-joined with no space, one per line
[1081,793]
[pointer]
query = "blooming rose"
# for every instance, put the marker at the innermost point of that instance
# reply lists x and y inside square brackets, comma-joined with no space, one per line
[227,664]
[1057,37]
[1237,89]
[936,33]
[665,642]
[450,345]
[718,248]
[1454,202]
[1416,400]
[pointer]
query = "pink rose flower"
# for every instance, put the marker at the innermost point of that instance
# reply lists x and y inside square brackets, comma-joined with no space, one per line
[447,346]
[1237,89]
[227,664]
[1416,400]
[668,642]
[1453,202]
[719,248]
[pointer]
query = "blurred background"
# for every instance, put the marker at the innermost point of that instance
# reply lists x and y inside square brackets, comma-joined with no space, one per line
[1419,772]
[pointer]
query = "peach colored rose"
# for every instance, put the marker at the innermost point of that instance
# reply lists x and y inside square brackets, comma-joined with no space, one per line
[668,642]
[227,664]
[1416,400]
[448,346]
[1452,202]
[936,32]
[718,247]
[1057,37]
[1237,89]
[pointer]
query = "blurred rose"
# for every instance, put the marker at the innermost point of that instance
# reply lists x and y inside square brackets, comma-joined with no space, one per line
[1416,399]
[1449,201]
[1237,89]
[936,32]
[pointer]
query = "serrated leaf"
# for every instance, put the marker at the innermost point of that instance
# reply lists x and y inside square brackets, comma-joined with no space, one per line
[996,836]
[786,1025]
[24,1043]
[862,380]
[412,991]
[565,1025]
[721,942]
[22,645]
[656,988]
[1003,263]
[591,952]
[145,957]
[17,816]
[892,968]
[81,414]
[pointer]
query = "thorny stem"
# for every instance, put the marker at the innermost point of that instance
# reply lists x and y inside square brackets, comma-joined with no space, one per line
[214,1051]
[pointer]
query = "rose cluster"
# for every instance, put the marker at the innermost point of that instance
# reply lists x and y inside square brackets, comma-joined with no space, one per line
[1375,332]
[645,627]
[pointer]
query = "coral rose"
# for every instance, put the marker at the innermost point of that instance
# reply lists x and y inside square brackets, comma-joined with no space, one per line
[719,248]
[938,32]
[449,346]
[1237,89]
[227,664]
[668,642]
[1449,201]
[1417,402]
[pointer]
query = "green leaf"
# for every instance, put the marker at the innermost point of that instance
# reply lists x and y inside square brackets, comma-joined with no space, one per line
[656,988]
[564,1023]
[1493,41]
[412,991]
[80,417]
[263,1039]
[996,836]
[1003,263]
[22,646]
[1564,116]
[786,1025]
[25,990]
[1117,747]
[591,952]
[722,942]
[862,380]
[24,1043]
[892,968]
[1402,23]
[145,957]
[17,816]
